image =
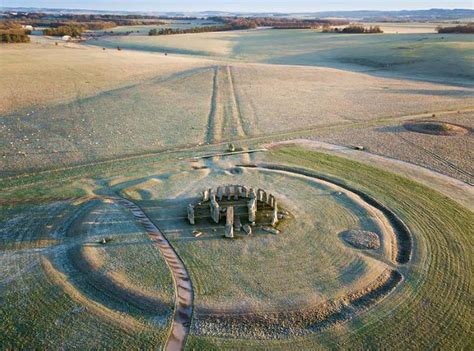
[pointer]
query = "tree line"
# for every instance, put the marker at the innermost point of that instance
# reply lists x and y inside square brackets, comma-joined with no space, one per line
[200,29]
[279,23]
[239,23]
[461,29]
[354,29]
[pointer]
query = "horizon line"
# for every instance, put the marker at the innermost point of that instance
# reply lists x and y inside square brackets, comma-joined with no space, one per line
[235,12]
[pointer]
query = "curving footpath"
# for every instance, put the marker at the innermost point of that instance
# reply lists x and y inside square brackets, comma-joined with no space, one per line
[183,287]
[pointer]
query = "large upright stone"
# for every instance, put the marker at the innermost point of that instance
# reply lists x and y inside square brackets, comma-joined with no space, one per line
[252,194]
[245,192]
[229,223]
[252,210]
[275,214]
[215,209]
[220,193]
[238,192]
[228,191]
[271,200]
[264,196]
[260,195]
[206,195]
[191,214]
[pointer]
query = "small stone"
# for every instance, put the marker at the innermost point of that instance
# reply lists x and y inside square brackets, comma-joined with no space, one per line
[247,229]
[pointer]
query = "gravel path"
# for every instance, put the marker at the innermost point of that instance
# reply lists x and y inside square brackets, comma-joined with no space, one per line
[183,287]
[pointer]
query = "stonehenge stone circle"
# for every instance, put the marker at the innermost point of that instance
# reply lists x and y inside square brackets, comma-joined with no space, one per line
[237,202]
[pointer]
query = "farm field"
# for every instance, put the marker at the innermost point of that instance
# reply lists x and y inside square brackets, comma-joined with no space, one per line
[257,189]
[423,56]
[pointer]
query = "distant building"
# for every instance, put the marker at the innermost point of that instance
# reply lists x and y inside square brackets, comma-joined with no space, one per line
[66,38]
[27,27]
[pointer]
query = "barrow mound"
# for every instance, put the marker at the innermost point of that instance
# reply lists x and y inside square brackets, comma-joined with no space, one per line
[436,128]
[361,239]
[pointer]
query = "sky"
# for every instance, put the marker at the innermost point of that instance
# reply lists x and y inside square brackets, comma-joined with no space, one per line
[240,5]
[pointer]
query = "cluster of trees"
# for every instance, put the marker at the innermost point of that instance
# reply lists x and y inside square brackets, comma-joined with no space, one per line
[12,32]
[75,24]
[73,31]
[56,20]
[14,36]
[466,29]
[170,31]
[354,29]
[278,23]
[201,29]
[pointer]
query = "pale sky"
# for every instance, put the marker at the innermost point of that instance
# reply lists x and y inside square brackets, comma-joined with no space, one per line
[240,5]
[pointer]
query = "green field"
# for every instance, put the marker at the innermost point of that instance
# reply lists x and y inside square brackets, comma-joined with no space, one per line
[436,273]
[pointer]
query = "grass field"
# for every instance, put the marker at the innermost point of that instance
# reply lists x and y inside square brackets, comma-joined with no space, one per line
[441,230]
[75,271]
[81,127]
[426,56]
[73,292]
[94,119]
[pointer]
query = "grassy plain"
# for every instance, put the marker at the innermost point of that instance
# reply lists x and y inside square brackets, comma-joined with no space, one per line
[75,292]
[437,283]
[171,103]
[224,273]
[423,56]
[430,151]
[42,74]
[67,105]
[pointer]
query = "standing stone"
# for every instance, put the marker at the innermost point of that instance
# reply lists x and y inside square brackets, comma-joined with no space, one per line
[228,191]
[229,223]
[191,214]
[252,210]
[238,192]
[220,193]
[252,194]
[247,229]
[215,210]
[260,195]
[271,201]
[275,215]
[245,192]
[264,196]
[205,195]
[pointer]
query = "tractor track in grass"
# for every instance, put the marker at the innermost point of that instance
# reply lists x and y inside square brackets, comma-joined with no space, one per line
[443,160]
[183,287]
[211,119]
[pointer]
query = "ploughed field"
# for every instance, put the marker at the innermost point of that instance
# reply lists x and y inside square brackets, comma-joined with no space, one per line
[103,150]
